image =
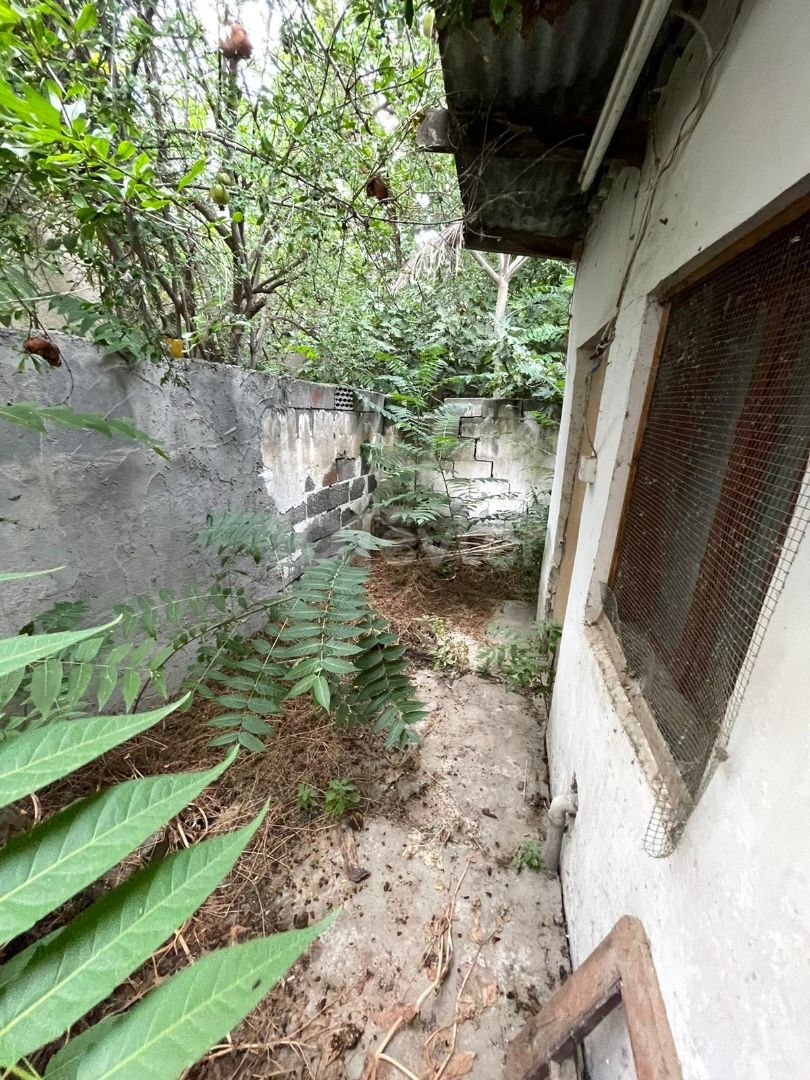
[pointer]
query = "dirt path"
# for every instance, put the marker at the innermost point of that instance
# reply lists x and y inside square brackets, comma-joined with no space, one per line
[441,904]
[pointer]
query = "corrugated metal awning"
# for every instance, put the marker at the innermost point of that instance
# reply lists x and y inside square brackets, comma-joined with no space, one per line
[523,100]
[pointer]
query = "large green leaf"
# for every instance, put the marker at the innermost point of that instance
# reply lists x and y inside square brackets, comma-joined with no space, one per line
[176,1023]
[16,652]
[47,988]
[34,758]
[51,863]
[19,575]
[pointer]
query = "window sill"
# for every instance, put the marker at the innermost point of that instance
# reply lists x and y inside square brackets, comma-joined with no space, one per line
[648,743]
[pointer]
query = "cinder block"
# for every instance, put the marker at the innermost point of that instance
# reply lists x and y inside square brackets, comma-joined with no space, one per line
[325,525]
[308,395]
[372,483]
[348,518]
[473,406]
[472,470]
[510,409]
[346,467]
[320,502]
[358,488]
[296,514]
[488,449]
[367,399]
[464,451]
[469,426]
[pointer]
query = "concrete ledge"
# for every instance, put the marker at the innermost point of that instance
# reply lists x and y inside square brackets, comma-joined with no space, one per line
[307,395]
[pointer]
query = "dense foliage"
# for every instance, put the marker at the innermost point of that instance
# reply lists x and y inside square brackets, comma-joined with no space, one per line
[168,195]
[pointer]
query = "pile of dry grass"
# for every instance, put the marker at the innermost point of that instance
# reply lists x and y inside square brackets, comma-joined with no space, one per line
[306,747]
[466,598]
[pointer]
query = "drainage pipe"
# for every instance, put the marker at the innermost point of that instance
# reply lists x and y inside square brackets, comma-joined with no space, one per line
[650,17]
[562,807]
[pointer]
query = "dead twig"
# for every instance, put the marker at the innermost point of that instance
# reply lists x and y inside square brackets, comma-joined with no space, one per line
[443,941]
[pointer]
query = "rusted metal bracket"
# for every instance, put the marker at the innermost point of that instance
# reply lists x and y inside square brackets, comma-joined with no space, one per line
[619,971]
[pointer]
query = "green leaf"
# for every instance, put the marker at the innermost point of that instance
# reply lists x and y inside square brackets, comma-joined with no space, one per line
[130,687]
[191,175]
[85,20]
[250,742]
[52,862]
[256,725]
[34,758]
[19,575]
[175,1024]
[9,684]
[20,651]
[226,739]
[78,681]
[46,680]
[57,981]
[302,686]
[320,689]
[337,666]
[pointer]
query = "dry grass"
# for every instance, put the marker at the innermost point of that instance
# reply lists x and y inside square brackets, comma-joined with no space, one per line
[466,597]
[306,746]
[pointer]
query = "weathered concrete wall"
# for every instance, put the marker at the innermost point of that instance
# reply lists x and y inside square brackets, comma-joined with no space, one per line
[119,517]
[728,914]
[315,468]
[506,457]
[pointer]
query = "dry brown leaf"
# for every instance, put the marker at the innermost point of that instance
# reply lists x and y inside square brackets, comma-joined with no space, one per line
[460,1065]
[403,1011]
[476,932]
[489,995]
[466,1009]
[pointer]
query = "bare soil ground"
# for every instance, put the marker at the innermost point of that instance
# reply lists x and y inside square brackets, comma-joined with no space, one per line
[443,948]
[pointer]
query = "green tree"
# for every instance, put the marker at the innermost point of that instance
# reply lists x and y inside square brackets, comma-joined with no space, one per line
[186,188]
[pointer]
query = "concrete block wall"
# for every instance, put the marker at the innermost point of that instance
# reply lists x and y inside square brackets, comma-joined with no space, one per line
[505,455]
[316,470]
[118,517]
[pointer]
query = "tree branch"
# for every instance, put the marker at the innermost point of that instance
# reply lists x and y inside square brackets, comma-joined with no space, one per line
[485,265]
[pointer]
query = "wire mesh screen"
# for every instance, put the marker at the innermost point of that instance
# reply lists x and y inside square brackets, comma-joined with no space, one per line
[719,504]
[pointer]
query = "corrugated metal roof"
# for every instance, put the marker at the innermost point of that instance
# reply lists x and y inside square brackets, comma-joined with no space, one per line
[534,66]
[536,207]
[522,102]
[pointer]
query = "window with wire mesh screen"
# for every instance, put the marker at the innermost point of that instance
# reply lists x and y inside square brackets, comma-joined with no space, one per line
[719,503]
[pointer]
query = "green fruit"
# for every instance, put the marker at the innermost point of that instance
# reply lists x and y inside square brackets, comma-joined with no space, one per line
[219,195]
[223,178]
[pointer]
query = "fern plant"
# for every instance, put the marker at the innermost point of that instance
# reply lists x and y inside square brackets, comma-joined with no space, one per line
[320,636]
[46,987]
[134,654]
[419,489]
[325,641]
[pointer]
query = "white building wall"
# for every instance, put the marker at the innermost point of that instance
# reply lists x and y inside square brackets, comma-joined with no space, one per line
[728,914]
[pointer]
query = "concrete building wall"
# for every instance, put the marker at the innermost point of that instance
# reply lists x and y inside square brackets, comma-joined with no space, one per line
[728,914]
[120,518]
